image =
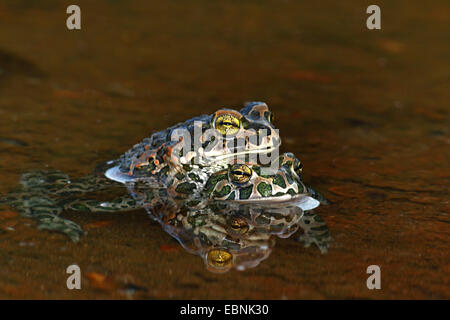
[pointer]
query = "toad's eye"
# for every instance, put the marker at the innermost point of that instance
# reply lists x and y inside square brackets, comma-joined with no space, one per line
[298,167]
[269,116]
[240,173]
[227,124]
[238,225]
[219,259]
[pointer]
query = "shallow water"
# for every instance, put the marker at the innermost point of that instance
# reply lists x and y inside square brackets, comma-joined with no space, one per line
[366,111]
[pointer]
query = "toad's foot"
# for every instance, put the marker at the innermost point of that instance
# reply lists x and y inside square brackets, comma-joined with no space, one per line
[53,222]
[45,211]
[315,231]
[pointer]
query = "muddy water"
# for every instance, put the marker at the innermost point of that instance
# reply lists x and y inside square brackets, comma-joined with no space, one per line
[366,111]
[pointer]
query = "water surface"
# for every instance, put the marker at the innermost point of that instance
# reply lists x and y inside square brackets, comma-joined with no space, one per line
[366,111]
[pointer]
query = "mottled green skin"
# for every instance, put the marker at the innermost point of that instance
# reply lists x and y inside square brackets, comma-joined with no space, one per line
[44,195]
[150,156]
[194,203]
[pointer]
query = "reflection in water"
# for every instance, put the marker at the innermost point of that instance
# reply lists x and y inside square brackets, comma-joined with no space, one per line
[215,198]
[225,233]
[229,234]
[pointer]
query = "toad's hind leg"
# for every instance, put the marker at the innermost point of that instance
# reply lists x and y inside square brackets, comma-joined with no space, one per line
[46,212]
[315,231]
[123,203]
[58,183]
[42,194]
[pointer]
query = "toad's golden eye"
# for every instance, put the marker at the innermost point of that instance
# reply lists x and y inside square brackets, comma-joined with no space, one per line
[240,173]
[227,124]
[238,225]
[219,260]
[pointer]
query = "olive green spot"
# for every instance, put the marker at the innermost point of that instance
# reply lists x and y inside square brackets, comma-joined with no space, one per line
[279,181]
[185,187]
[232,196]
[257,170]
[264,189]
[245,192]
[223,192]
[210,185]
[292,192]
